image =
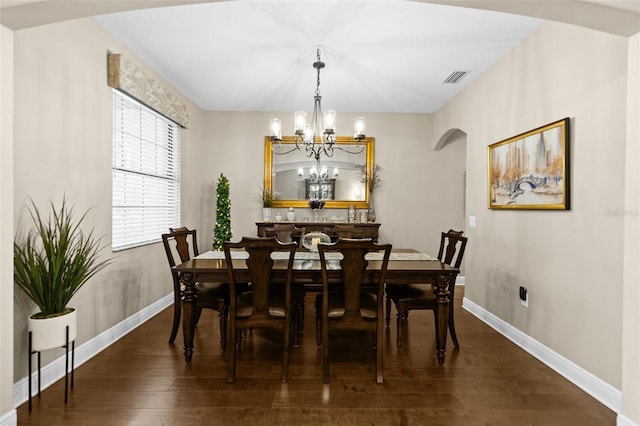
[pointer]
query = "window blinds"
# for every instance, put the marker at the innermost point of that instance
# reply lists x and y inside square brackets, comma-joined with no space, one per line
[146,173]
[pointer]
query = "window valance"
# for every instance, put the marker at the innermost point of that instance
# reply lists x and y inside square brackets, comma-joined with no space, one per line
[126,76]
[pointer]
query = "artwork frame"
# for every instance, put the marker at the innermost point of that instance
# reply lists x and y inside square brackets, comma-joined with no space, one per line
[531,171]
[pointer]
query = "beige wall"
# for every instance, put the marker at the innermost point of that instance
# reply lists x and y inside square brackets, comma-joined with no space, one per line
[422,190]
[571,262]
[6,221]
[61,84]
[631,289]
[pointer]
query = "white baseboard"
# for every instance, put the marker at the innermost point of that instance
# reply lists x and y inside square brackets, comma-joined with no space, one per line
[10,418]
[594,386]
[625,421]
[53,371]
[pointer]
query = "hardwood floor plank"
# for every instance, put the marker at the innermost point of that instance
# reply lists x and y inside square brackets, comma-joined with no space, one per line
[142,380]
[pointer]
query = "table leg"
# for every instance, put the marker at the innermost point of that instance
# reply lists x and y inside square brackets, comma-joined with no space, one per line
[188,313]
[443,304]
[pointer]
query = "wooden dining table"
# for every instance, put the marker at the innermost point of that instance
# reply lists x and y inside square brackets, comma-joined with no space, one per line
[406,266]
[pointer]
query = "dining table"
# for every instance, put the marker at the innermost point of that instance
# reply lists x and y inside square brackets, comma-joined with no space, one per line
[406,266]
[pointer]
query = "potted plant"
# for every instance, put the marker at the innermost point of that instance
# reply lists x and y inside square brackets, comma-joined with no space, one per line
[267,203]
[373,181]
[222,230]
[52,261]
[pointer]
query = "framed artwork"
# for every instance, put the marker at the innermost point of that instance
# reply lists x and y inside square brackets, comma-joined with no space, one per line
[530,171]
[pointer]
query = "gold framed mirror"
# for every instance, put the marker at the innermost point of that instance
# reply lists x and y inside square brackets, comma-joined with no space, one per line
[288,171]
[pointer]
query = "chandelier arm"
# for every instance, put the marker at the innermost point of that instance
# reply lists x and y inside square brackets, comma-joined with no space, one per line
[295,148]
[299,140]
[341,148]
[312,153]
[328,152]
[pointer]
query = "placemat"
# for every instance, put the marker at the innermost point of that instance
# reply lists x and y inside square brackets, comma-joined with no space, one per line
[309,255]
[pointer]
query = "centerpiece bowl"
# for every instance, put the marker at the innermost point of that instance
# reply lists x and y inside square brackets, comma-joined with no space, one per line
[311,240]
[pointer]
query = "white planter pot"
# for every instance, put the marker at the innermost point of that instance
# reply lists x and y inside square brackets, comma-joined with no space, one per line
[266,214]
[49,333]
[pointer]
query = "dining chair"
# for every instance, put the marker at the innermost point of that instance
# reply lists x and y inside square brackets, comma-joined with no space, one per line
[267,304]
[348,230]
[407,297]
[354,302]
[212,295]
[284,232]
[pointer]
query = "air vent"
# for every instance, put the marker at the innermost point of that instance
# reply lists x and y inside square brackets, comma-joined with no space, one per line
[455,77]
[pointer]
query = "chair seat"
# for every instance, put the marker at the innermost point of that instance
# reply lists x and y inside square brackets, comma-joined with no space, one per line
[368,305]
[213,295]
[244,305]
[416,294]
[216,288]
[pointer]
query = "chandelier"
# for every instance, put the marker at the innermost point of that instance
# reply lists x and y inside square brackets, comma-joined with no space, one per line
[316,176]
[317,137]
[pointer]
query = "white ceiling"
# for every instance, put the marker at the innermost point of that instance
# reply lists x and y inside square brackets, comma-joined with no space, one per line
[381,56]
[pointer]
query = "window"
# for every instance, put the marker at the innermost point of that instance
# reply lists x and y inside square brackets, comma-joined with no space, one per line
[146,173]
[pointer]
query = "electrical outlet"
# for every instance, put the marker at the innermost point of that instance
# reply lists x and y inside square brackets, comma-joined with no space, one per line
[524,297]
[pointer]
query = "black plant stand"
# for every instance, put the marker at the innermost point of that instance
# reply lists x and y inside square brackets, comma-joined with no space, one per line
[66,366]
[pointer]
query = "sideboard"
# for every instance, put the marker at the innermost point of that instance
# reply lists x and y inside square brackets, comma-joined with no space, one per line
[369,229]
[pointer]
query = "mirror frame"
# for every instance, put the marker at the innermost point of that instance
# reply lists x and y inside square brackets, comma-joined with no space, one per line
[330,204]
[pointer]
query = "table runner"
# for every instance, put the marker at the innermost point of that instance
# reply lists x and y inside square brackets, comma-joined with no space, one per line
[309,255]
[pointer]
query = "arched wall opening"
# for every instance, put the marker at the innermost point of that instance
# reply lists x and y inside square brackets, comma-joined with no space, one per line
[452,144]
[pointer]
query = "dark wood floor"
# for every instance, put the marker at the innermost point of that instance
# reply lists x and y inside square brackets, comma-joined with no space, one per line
[142,380]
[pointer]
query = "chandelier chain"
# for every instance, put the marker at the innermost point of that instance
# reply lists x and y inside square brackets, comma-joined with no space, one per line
[318,65]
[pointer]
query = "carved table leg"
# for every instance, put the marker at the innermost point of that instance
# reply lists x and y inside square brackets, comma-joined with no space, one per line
[442,315]
[188,313]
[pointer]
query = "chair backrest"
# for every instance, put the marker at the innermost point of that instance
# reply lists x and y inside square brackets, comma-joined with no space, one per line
[183,242]
[353,268]
[260,267]
[284,232]
[348,230]
[455,245]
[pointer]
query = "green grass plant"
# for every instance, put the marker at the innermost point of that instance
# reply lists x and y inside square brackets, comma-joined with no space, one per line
[55,259]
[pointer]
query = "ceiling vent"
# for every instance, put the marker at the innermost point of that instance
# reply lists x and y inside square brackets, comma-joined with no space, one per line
[455,77]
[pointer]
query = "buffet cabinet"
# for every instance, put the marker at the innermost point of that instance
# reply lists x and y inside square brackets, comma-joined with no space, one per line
[367,230]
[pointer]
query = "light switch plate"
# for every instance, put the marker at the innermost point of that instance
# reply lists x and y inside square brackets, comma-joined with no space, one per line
[472,221]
